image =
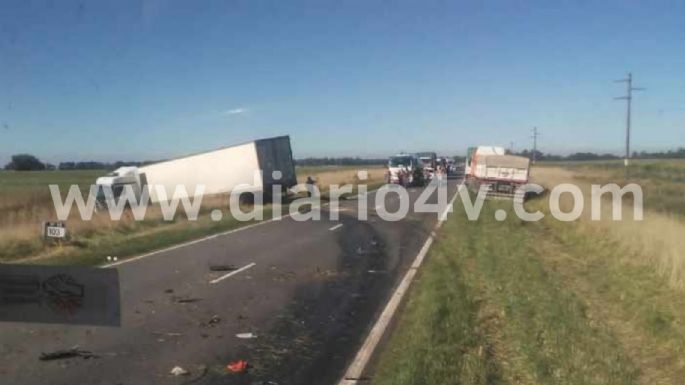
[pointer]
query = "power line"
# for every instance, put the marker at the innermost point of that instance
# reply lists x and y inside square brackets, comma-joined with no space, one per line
[535,135]
[628,98]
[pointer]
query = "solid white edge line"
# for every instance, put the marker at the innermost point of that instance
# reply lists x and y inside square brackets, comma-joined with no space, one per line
[184,244]
[180,245]
[339,225]
[234,272]
[356,368]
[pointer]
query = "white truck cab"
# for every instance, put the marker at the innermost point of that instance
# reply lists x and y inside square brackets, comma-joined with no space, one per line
[116,180]
[405,169]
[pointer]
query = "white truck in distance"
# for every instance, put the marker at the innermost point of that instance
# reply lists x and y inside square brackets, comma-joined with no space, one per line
[219,171]
[491,166]
[405,169]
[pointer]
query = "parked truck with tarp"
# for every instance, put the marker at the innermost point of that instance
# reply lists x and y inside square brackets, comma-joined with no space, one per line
[500,173]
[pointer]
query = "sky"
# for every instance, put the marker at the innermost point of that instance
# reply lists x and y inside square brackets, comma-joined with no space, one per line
[153,79]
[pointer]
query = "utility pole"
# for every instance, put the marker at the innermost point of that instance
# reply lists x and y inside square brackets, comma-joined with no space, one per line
[536,133]
[628,98]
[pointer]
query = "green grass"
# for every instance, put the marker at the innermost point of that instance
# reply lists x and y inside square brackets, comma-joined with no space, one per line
[32,182]
[536,303]
[18,189]
[662,181]
[486,310]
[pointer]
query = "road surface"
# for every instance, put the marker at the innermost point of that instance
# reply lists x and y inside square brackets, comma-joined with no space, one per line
[309,291]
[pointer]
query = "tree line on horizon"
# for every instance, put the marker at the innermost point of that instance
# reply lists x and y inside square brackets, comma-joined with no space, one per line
[28,162]
[585,156]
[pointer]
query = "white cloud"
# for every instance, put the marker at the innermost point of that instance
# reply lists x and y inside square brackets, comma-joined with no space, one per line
[234,111]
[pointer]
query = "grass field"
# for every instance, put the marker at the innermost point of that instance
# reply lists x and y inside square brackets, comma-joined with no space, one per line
[662,180]
[25,202]
[546,302]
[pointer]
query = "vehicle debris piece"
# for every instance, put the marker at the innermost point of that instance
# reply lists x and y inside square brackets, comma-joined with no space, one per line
[239,366]
[246,335]
[168,334]
[185,300]
[178,371]
[215,319]
[222,267]
[67,353]
[199,373]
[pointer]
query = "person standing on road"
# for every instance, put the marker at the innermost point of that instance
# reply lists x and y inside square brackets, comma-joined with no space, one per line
[310,185]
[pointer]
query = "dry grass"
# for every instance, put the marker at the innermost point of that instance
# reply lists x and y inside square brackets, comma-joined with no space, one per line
[25,203]
[326,176]
[656,241]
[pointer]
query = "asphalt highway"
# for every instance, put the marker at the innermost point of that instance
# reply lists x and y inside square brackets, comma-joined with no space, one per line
[309,291]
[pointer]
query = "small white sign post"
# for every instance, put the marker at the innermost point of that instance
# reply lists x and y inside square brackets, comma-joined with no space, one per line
[56,231]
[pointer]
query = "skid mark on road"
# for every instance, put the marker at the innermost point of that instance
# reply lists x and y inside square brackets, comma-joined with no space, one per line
[234,272]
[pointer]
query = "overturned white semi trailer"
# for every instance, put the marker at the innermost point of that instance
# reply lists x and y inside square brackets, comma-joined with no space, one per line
[207,173]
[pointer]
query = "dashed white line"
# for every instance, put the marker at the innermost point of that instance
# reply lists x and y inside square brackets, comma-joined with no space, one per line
[194,241]
[339,225]
[181,245]
[234,272]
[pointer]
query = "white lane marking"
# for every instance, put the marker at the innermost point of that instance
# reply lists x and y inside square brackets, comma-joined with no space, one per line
[180,245]
[338,209]
[356,369]
[234,272]
[189,243]
[339,225]
[362,195]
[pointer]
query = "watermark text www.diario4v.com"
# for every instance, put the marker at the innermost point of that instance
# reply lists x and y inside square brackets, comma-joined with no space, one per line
[390,202]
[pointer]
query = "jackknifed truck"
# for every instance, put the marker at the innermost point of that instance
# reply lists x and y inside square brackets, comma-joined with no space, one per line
[219,171]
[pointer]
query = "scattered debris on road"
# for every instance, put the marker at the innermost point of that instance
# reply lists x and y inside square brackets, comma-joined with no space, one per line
[246,335]
[215,319]
[168,334]
[178,371]
[239,366]
[67,353]
[222,267]
[185,300]
[201,372]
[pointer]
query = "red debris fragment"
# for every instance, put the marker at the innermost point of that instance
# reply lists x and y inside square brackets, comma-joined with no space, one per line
[239,366]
